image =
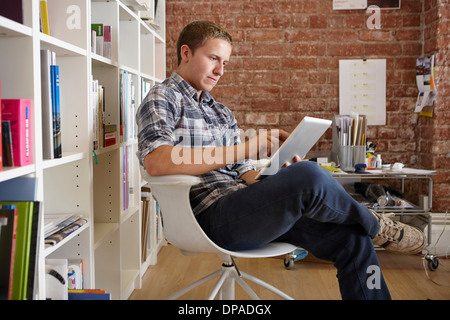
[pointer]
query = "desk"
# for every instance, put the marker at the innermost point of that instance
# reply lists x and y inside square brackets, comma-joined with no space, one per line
[420,211]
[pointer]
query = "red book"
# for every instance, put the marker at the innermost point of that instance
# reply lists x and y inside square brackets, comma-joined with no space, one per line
[19,113]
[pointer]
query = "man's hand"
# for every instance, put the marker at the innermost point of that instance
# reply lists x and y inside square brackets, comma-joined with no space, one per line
[295,159]
[266,143]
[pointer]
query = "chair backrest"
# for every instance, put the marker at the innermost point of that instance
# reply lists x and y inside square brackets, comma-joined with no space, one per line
[179,223]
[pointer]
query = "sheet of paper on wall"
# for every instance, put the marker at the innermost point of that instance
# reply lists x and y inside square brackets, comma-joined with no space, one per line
[425,75]
[362,89]
[349,4]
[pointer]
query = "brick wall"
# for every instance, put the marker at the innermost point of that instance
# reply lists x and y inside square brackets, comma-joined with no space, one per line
[434,134]
[285,59]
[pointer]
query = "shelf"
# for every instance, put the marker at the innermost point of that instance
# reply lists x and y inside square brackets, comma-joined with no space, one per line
[129,278]
[103,231]
[61,47]
[67,157]
[10,28]
[14,172]
[420,212]
[84,182]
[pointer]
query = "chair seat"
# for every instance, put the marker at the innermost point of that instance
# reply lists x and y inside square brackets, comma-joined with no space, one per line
[270,250]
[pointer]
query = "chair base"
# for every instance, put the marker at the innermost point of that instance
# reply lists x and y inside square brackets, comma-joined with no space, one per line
[224,286]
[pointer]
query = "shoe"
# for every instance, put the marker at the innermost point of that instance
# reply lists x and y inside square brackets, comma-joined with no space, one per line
[398,237]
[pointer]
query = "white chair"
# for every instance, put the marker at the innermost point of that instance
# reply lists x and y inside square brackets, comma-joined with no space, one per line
[182,230]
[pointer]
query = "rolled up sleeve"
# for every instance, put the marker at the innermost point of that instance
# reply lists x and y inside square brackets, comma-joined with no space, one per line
[155,121]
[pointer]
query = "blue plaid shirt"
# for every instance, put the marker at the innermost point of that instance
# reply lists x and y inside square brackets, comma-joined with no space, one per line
[171,115]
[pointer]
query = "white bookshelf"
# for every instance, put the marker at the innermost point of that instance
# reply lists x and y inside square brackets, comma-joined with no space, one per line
[80,182]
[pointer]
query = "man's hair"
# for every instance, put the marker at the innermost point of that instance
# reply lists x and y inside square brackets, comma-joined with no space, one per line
[196,33]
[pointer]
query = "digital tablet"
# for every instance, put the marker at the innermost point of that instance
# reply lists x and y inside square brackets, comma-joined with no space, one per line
[299,142]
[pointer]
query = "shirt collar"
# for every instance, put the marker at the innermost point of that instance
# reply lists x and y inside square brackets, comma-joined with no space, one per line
[189,91]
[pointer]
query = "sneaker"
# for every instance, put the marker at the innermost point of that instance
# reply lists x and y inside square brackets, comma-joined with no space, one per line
[398,237]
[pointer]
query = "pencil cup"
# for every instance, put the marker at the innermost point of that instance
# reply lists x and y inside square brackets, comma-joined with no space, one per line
[359,155]
[346,157]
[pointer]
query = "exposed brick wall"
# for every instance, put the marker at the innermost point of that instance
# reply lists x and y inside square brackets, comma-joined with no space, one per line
[285,59]
[434,135]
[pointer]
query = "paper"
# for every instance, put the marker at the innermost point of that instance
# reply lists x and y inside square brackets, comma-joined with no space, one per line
[362,89]
[425,73]
[349,4]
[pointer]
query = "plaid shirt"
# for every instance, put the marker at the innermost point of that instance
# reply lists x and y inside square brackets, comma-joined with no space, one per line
[170,115]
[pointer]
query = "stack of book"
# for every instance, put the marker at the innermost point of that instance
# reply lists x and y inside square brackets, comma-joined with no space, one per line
[20,216]
[57,227]
[19,238]
[16,118]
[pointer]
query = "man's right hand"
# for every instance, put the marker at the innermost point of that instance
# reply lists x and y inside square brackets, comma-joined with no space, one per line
[266,143]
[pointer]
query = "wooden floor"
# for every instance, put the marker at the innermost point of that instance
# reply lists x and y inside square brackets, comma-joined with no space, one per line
[311,279]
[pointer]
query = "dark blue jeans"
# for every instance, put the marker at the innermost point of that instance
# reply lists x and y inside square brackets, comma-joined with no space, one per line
[305,206]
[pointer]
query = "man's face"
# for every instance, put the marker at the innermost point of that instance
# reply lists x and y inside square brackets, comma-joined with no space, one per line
[205,67]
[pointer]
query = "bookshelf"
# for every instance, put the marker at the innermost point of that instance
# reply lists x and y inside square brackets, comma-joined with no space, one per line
[102,185]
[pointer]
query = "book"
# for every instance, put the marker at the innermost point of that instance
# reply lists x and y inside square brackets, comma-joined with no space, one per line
[32,280]
[65,232]
[22,249]
[47,59]
[56,222]
[12,10]
[8,230]
[126,106]
[18,189]
[7,151]
[107,42]
[19,113]
[54,74]
[45,28]
[145,202]
[75,274]
[93,41]
[88,295]
[95,107]
[98,28]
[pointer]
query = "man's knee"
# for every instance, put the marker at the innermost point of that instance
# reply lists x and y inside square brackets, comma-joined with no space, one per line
[309,171]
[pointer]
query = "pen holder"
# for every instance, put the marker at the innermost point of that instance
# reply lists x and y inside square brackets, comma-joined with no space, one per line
[359,155]
[349,156]
[346,158]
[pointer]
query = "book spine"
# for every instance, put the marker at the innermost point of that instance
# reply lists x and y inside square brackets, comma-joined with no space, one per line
[19,112]
[8,215]
[98,28]
[107,42]
[44,17]
[94,101]
[56,111]
[47,116]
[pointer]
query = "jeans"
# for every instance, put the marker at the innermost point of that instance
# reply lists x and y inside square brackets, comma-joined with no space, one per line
[303,205]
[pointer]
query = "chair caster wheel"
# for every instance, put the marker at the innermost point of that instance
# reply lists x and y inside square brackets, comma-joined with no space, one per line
[289,263]
[433,262]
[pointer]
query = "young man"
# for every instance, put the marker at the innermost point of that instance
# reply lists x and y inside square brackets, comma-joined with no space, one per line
[183,130]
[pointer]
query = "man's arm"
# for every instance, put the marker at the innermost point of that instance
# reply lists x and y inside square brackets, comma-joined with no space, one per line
[166,160]
[249,177]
